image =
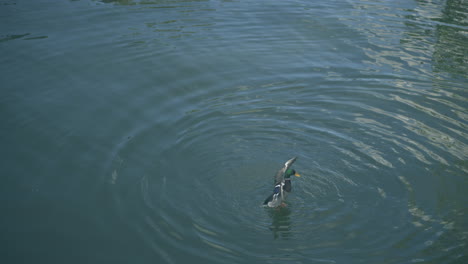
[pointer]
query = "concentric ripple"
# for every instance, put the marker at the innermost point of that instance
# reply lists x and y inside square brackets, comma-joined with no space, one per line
[206,206]
[149,131]
[377,129]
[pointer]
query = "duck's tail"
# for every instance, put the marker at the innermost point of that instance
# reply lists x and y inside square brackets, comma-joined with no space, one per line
[276,193]
[269,199]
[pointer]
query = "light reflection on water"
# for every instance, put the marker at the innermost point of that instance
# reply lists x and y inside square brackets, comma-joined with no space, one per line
[173,116]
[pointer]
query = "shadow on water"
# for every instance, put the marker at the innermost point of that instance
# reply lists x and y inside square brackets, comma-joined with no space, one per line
[281,222]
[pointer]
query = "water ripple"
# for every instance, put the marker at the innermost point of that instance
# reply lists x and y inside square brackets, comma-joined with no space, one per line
[371,135]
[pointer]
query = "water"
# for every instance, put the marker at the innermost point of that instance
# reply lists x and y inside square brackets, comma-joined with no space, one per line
[150,131]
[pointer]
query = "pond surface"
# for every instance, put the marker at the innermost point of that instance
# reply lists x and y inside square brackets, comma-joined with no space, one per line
[150,131]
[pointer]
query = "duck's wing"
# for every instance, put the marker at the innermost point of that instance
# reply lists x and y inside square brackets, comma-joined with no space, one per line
[280,174]
[289,163]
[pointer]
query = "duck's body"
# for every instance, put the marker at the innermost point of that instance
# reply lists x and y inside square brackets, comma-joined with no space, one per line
[282,185]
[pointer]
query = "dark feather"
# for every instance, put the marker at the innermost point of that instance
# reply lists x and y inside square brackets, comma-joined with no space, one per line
[287,186]
[269,199]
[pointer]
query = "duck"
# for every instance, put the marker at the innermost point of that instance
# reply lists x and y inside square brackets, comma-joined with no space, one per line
[282,185]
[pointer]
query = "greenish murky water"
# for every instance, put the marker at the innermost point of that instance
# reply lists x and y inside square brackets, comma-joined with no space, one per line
[150,131]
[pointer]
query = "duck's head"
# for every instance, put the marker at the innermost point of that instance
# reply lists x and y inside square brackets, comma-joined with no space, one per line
[291,172]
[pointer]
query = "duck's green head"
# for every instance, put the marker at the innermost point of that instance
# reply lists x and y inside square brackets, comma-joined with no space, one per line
[291,172]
